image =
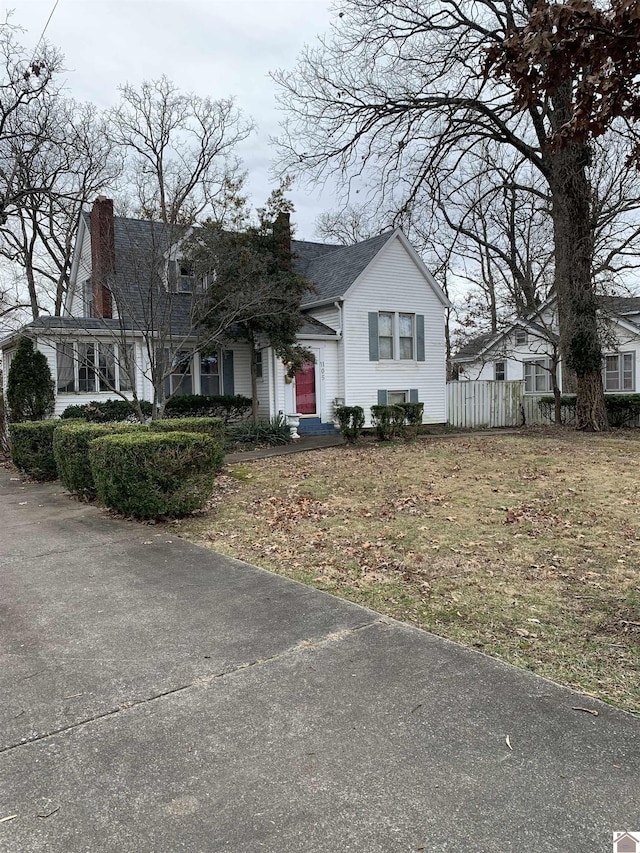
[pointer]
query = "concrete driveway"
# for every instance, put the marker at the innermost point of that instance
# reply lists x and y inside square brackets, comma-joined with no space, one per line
[157,697]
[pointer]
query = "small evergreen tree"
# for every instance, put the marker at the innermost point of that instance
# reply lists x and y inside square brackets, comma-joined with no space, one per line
[30,390]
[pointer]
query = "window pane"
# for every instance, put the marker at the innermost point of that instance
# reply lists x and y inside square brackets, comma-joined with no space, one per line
[86,368]
[612,373]
[406,348]
[395,397]
[385,325]
[528,377]
[259,364]
[386,348]
[181,373]
[406,325]
[210,374]
[106,367]
[627,361]
[66,377]
[500,372]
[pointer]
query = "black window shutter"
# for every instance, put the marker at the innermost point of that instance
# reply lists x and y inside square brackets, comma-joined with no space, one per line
[382,398]
[373,336]
[420,337]
[413,395]
[227,372]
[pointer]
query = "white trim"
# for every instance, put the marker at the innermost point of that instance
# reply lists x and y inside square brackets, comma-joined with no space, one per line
[75,263]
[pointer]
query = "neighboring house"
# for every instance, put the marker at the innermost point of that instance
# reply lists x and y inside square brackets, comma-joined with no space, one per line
[529,350]
[374,322]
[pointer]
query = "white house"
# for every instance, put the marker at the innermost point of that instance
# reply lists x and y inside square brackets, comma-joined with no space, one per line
[374,321]
[529,349]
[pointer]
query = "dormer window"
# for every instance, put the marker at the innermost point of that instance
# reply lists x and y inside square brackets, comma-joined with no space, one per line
[181,277]
[186,278]
[521,336]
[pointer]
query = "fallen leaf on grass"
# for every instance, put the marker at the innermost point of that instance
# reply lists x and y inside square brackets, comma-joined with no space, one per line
[508,743]
[587,711]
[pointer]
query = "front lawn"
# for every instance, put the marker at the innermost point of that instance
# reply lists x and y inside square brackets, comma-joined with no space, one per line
[526,547]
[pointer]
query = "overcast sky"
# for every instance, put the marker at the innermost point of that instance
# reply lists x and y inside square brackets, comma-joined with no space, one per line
[218,48]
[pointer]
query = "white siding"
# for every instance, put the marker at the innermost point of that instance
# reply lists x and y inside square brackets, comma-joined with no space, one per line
[394,283]
[616,339]
[265,387]
[327,314]
[241,370]
[77,306]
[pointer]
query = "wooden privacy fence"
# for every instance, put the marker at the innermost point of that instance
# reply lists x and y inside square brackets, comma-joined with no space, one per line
[488,403]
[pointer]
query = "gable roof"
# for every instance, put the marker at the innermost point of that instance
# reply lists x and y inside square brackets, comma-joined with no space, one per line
[333,269]
[141,244]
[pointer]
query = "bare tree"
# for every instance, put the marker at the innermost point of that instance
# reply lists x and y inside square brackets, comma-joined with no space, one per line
[395,96]
[179,149]
[25,78]
[70,162]
[350,225]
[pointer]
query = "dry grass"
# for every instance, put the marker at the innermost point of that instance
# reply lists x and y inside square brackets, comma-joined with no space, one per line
[524,546]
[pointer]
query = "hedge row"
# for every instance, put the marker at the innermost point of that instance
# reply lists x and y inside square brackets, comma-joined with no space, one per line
[155,475]
[230,409]
[160,472]
[32,448]
[71,442]
[622,409]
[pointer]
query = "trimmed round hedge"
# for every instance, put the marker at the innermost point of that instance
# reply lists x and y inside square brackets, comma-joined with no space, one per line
[71,449]
[32,448]
[213,427]
[155,475]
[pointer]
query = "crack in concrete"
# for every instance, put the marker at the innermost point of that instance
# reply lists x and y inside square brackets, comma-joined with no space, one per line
[202,681]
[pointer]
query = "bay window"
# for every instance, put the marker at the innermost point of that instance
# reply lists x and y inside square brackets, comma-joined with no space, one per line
[93,367]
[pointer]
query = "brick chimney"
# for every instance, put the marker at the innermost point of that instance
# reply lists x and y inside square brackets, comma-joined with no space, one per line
[282,239]
[103,255]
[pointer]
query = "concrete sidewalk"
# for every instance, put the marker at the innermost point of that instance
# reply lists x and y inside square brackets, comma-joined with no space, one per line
[157,697]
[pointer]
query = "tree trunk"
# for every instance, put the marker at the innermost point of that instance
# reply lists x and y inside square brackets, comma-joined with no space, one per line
[557,396]
[591,413]
[573,243]
[254,386]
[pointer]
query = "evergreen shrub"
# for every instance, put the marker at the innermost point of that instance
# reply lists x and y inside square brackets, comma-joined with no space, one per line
[622,409]
[32,448]
[71,442]
[30,390]
[107,411]
[155,475]
[213,427]
[388,421]
[230,408]
[351,421]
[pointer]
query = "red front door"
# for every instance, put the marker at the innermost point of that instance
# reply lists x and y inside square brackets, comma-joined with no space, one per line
[306,390]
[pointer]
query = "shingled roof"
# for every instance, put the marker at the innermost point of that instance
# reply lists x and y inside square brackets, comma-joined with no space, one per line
[139,244]
[331,268]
